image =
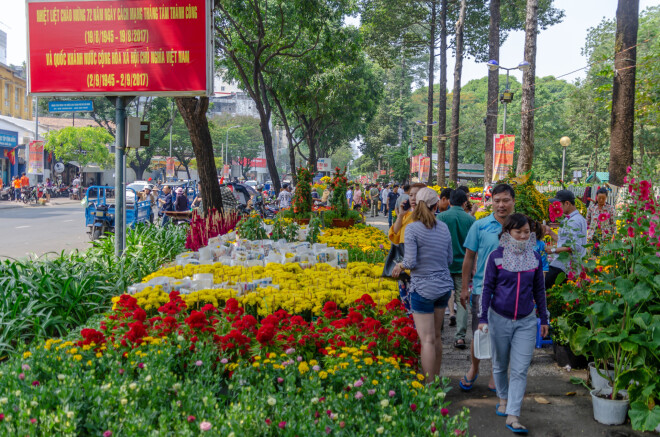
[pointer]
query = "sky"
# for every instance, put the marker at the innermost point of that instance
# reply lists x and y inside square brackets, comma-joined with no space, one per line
[558,48]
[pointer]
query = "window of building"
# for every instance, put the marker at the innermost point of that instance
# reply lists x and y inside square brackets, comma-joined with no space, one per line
[222,88]
[6,94]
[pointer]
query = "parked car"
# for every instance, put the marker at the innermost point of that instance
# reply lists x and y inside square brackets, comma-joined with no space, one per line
[137,186]
[251,183]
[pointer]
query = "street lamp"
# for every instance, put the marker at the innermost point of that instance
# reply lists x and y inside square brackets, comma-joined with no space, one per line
[225,151]
[565,142]
[507,95]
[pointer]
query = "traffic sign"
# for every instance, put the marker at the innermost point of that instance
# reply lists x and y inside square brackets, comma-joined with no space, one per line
[71,106]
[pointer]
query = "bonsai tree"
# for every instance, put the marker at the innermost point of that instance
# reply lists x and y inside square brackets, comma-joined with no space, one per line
[302,199]
[339,202]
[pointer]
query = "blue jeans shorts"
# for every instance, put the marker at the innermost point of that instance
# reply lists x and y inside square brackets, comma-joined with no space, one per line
[422,305]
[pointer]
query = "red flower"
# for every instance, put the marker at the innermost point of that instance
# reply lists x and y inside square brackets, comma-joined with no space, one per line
[196,320]
[282,424]
[413,407]
[35,383]
[444,412]
[265,334]
[268,421]
[191,418]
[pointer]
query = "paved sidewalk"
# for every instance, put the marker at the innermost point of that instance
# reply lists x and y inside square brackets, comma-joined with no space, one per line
[10,204]
[566,414]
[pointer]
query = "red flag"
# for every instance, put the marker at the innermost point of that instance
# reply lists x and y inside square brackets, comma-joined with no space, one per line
[11,155]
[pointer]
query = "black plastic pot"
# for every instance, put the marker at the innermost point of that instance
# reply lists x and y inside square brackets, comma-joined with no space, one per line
[564,356]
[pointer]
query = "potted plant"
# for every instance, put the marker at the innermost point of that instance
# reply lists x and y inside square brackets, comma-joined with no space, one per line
[620,326]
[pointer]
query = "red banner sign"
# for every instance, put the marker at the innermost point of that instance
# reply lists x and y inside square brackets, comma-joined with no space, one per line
[36,158]
[424,168]
[115,47]
[503,146]
[169,167]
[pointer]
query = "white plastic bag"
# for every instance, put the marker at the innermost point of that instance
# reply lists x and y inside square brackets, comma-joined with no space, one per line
[482,347]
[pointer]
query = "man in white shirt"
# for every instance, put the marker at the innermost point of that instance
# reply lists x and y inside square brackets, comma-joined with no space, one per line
[383,198]
[284,198]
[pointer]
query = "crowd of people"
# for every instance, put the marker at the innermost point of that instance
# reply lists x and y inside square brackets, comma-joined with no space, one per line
[492,272]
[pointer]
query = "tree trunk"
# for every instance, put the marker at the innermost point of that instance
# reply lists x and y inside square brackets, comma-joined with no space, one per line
[442,98]
[403,80]
[493,89]
[456,98]
[264,108]
[623,91]
[193,111]
[429,104]
[526,155]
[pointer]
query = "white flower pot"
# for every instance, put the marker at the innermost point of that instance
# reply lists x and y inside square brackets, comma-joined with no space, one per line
[598,381]
[608,411]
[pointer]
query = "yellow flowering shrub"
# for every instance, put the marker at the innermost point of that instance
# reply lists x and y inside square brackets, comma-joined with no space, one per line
[300,290]
[362,237]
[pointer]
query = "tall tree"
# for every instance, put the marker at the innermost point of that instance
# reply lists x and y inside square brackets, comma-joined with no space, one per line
[623,90]
[493,88]
[526,155]
[251,37]
[442,97]
[456,98]
[433,17]
[193,110]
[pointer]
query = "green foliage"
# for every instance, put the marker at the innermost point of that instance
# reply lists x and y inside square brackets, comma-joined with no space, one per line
[85,145]
[243,136]
[251,228]
[50,296]
[314,230]
[614,305]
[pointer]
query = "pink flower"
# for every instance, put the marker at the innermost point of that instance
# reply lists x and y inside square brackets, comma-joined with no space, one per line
[316,368]
[358,383]
[282,424]
[33,420]
[2,417]
[25,367]
[631,232]
[299,358]
[198,363]
[444,412]
[191,418]
[280,380]
[342,424]
[224,361]
[359,395]
[603,216]
[35,383]
[391,393]
[371,391]
[413,407]
[141,365]
[108,433]
[458,432]
[121,371]
[205,426]
[268,421]
[328,430]
[21,376]
[289,351]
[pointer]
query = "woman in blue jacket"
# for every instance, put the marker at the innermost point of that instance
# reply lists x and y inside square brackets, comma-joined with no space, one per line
[513,284]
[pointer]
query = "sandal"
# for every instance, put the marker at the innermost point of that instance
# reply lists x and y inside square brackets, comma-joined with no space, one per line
[519,429]
[468,381]
[460,345]
[498,412]
[452,321]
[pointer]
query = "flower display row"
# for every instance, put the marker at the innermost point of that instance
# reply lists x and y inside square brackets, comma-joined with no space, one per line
[265,290]
[222,372]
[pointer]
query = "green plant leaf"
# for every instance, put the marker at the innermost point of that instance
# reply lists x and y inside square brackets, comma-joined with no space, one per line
[643,418]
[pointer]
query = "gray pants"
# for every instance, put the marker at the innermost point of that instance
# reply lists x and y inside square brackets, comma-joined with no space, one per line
[512,346]
[374,207]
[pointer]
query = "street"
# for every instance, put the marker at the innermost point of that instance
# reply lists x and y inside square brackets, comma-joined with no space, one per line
[42,229]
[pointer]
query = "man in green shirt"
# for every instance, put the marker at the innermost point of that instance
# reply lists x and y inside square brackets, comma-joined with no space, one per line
[459,223]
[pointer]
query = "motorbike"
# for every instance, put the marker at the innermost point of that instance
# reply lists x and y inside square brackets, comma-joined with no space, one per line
[5,193]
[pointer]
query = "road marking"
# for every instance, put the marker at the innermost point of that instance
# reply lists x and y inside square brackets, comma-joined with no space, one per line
[21,227]
[67,221]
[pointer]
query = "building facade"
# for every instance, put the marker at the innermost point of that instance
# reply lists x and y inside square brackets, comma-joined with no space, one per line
[14,101]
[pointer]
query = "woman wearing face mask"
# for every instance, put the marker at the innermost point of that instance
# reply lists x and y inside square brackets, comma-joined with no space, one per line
[513,283]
